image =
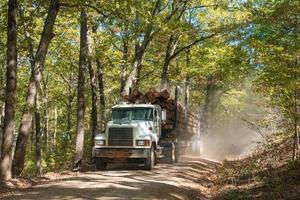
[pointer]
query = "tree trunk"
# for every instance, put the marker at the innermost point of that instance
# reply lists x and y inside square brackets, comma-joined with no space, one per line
[46,118]
[124,62]
[10,98]
[102,97]
[80,94]
[164,76]
[38,150]
[101,89]
[296,144]
[187,88]
[296,141]
[168,57]
[36,74]
[2,109]
[207,104]
[212,98]
[69,110]
[1,127]
[133,78]
[94,114]
[138,65]
[55,128]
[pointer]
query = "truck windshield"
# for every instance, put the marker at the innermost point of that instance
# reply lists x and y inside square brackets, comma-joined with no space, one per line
[132,114]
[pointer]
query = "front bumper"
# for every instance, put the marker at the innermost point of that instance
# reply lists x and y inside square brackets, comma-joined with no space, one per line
[121,153]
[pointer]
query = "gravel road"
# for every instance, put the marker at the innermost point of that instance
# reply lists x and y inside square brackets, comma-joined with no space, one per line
[191,178]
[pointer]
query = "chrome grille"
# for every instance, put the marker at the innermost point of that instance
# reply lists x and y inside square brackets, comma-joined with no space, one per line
[120,137]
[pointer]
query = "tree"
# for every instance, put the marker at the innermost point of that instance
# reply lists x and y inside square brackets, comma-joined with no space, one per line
[101,91]
[80,90]
[10,98]
[275,40]
[38,149]
[35,79]
[1,127]
[93,83]
[144,32]
[141,44]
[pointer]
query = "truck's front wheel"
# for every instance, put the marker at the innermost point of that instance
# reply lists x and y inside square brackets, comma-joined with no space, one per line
[100,164]
[150,161]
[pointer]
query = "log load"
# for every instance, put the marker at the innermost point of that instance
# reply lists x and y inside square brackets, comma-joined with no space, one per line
[179,123]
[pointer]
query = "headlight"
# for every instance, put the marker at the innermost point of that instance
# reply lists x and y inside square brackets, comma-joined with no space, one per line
[99,142]
[143,143]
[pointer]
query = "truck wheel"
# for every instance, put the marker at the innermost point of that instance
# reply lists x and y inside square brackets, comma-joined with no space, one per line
[170,155]
[100,164]
[176,154]
[150,161]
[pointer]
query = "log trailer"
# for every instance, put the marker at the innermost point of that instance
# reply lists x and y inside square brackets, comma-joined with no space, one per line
[144,129]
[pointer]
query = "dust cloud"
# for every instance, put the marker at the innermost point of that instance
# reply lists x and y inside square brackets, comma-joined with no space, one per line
[232,140]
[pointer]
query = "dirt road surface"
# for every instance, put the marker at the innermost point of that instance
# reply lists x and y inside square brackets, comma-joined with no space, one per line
[191,178]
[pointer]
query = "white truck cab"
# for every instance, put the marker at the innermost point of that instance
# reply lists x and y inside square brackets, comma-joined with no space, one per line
[131,136]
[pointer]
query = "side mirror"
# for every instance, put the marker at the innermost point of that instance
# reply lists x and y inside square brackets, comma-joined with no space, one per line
[163,116]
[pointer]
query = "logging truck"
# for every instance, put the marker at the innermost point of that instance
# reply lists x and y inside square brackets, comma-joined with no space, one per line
[144,129]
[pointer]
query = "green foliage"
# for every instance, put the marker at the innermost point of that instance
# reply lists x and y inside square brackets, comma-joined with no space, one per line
[275,41]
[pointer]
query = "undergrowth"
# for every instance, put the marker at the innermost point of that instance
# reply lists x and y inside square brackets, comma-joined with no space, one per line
[270,173]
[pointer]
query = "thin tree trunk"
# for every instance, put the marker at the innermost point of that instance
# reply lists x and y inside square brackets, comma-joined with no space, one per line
[296,141]
[2,109]
[206,109]
[102,97]
[101,90]
[80,95]
[46,118]
[187,88]
[69,109]
[26,121]
[10,98]
[297,121]
[94,114]
[69,112]
[38,150]
[212,99]
[124,62]
[1,127]
[168,57]
[296,144]
[55,128]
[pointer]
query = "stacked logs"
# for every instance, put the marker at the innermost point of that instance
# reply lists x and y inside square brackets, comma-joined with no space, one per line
[175,124]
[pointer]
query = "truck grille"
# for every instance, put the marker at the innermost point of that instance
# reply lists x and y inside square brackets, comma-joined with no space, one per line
[120,137]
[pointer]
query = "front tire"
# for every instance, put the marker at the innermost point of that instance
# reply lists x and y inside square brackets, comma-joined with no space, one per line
[100,164]
[150,161]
